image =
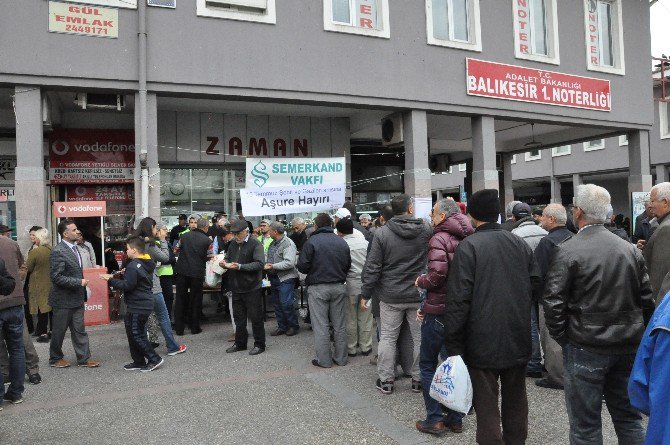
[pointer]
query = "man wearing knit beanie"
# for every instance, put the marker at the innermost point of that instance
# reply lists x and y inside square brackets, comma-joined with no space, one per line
[487,318]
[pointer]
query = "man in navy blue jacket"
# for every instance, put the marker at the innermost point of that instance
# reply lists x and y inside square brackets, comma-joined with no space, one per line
[326,259]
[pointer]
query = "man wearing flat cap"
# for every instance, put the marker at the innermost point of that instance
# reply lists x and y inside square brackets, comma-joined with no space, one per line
[245,260]
[487,319]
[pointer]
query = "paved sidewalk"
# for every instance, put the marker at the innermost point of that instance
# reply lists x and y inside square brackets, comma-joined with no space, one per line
[208,396]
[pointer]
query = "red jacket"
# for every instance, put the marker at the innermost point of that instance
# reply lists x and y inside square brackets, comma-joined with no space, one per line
[441,248]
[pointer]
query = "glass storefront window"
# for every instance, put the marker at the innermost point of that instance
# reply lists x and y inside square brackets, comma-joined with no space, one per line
[202,191]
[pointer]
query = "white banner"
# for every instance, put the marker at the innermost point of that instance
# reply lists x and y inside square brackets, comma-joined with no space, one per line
[281,200]
[268,172]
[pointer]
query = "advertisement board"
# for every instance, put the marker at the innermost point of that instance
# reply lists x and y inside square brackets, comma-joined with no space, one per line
[79,209]
[96,307]
[83,20]
[264,173]
[510,82]
[287,200]
[91,156]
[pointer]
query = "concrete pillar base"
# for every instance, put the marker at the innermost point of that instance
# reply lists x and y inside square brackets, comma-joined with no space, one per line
[485,179]
[639,183]
[418,181]
[556,191]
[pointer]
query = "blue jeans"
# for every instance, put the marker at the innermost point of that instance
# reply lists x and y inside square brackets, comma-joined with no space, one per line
[590,376]
[535,363]
[283,299]
[11,324]
[432,340]
[163,317]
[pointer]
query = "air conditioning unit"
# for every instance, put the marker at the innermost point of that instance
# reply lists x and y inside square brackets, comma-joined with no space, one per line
[392,130]
[100,101]
[439,163]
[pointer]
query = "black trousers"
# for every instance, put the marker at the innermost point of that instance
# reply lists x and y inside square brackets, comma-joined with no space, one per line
[510,383]
[141,350]
[166,286]
[249,304]
[42,323]
[189,298]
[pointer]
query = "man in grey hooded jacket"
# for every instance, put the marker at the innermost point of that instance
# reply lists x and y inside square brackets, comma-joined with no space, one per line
[398,255]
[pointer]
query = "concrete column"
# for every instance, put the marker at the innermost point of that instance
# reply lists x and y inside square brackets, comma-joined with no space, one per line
[417,172]
[555,191]
[661,174]
[152,159]
[508,179]
[484,172]
[340,139]
[30,186]
[438,194]
[639,174]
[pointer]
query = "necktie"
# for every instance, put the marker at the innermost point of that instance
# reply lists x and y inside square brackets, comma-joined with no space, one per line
[76,252]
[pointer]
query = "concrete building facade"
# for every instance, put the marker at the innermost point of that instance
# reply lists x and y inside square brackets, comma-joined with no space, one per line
[201,83]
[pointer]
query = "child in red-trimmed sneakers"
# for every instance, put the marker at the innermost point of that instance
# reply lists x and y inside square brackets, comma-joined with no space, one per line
[136,286]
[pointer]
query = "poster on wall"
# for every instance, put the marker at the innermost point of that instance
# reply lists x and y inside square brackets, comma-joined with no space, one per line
[91,156]
[637,204]
[294,185]
[90,21]
[119,198]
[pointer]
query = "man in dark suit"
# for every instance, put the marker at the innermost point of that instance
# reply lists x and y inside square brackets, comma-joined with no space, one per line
[67,297]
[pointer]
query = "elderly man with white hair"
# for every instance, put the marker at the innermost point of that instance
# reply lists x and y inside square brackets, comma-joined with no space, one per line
[597,301]
[657,249]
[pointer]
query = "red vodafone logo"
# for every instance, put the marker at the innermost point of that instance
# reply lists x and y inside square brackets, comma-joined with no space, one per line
[60,147]
[61,209]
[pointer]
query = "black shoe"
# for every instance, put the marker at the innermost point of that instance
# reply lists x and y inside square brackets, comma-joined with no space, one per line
[256,350]
[291,332]
[179,333]
[133,367]
[316,363]
[235,348]
[546,383]
[35,379]
[196,332]
[277,333]
[44,338]
[366,353]
[152,366]
[14,400]
[154,344]
[416,386]
[385,387]
[352,355]
[534,374]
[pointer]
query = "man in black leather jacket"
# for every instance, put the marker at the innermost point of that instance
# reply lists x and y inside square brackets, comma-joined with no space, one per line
[597,301]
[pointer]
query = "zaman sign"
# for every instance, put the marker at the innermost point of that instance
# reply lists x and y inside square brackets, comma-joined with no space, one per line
[79,209]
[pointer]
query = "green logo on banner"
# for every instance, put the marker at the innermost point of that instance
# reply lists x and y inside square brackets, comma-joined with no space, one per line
[258,172]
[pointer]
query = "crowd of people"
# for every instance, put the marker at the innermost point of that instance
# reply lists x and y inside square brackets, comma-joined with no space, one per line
[560,295]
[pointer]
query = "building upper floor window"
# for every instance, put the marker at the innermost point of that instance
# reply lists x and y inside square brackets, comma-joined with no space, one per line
[513,161]
[604,36]
[536,30]
[597,144]
[454,23]
[533,155]
[462,167]
[262,11]
[563,150]
[623,140]
[364,17]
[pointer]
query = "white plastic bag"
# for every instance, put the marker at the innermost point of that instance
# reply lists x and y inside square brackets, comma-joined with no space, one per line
[215,266]
[212,279]
[451,385]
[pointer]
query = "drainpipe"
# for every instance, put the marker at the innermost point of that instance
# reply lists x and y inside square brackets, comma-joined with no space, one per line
[142,76]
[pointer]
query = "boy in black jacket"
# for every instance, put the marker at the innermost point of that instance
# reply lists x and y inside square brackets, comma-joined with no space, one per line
[136,286]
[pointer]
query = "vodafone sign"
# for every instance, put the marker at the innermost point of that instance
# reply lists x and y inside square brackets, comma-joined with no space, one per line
[79,209]
[91,156]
